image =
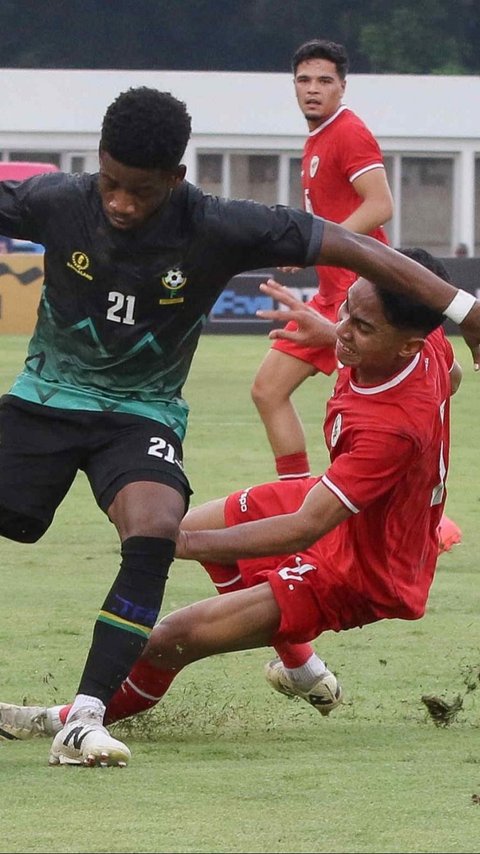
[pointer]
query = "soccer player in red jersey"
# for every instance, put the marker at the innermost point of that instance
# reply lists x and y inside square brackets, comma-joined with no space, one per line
[343,180]
[335,552]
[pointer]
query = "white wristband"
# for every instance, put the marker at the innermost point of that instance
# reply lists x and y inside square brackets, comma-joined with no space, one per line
[459,307]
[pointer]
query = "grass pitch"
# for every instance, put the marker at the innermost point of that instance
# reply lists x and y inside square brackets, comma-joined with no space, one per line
[224,764]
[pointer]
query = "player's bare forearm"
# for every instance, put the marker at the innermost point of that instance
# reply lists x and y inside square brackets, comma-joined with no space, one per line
[367,217]
[278,535]
[261,538]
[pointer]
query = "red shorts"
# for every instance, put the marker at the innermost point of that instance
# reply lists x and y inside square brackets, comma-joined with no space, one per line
[312,595]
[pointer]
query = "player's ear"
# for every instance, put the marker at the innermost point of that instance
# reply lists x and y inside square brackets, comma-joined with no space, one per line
[179,174]
[411,347]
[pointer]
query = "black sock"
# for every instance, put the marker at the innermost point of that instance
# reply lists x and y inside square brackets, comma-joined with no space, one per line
[128,615]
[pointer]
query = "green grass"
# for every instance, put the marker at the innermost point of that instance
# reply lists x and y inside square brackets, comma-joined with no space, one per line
[224,764]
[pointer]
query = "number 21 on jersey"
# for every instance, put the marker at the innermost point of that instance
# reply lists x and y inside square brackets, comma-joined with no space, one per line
[122,308]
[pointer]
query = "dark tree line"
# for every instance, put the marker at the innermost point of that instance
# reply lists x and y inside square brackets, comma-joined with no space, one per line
[401,37]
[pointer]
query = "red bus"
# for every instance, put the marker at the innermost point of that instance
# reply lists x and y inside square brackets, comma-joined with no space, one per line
[17,170]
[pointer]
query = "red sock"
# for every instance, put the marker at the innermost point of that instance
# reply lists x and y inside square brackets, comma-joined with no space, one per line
[292,466]
[143,688]
[63,713]
[294,654]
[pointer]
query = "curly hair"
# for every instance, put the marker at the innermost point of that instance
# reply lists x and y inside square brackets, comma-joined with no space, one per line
[322,49]
[146,129]
[403,312]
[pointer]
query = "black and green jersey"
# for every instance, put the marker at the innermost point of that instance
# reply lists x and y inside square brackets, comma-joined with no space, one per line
[121,311]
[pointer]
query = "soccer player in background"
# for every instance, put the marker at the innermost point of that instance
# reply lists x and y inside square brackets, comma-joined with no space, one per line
[344,180]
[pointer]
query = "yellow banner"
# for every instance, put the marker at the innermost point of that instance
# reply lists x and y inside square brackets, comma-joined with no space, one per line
[21,277]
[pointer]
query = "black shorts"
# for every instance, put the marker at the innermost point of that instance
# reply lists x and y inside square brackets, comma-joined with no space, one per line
[42,449]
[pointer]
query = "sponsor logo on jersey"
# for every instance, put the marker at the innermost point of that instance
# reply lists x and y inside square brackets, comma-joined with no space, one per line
[173,282]
[80,264]
[336,429]
[314,164]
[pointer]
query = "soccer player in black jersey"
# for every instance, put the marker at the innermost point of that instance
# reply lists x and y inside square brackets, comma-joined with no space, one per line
[135,258]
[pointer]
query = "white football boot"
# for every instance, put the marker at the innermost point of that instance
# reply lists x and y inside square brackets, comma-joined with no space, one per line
[19,723]
[325,694]
[85,741]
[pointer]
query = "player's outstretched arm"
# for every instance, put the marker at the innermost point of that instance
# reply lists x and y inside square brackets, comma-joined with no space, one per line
[276,535]
[396,272]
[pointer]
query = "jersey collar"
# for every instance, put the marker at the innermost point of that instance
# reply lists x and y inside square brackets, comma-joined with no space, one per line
[328,121]
[391,383]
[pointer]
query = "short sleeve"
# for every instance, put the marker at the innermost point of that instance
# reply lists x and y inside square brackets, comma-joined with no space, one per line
[374,464]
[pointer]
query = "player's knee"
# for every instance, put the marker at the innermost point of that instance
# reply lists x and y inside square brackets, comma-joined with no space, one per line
[22,529]
[170,641]
[261,393]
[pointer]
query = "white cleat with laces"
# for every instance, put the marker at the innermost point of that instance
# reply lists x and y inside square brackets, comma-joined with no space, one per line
[85,741]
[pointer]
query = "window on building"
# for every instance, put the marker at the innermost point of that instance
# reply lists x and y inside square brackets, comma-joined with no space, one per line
[210,173]
[268,178]
[35,156]
[477,206]
[77,163]
[426,209]
[254,176]
[295,195]
[389,171]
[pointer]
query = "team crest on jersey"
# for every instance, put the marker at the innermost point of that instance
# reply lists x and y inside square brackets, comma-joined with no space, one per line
[80,264]
[173,282]
[314,164]
[336,430]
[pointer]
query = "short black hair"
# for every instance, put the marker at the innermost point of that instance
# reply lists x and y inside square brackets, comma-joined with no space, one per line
[146,129]
[322,49]
[404,313]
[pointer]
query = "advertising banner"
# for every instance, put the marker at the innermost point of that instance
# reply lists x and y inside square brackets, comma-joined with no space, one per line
[21,277]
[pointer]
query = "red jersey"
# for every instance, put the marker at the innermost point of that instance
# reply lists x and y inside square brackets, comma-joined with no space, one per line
[389,448]
[334,155]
